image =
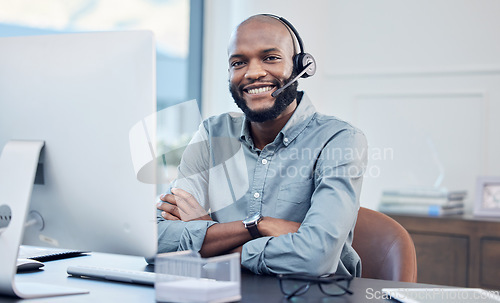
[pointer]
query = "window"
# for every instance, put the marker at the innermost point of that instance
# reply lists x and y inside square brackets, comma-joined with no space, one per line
[177,25]
[178,29]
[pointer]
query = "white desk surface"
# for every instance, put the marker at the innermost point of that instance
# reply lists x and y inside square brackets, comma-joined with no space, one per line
[254,288]
[54,272]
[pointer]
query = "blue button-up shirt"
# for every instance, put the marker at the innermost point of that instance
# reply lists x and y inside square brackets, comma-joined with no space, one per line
[311,173]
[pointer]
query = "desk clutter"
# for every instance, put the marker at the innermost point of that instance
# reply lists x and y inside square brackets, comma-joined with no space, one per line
[187,277]
[30,258]
[428,202]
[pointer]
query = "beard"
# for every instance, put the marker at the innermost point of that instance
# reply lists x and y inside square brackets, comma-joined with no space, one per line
[282,101]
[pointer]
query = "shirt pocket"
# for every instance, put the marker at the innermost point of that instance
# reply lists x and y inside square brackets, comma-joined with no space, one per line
[296,192]
[294,200]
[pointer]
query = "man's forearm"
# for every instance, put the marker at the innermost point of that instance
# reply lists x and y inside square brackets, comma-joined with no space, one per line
[275,227]
[223,237]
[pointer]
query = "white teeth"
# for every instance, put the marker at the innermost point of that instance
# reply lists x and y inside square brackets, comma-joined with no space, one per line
[259,90]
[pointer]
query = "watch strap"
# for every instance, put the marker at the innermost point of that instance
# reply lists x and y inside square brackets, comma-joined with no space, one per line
[254,231]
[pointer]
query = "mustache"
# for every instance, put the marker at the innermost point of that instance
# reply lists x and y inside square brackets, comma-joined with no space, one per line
[274,82]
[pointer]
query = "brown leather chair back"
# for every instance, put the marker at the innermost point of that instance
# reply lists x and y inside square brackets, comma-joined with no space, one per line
[386,249]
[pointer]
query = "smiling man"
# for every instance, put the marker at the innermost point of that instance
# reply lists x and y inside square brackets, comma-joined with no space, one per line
[255,73]
[279,183]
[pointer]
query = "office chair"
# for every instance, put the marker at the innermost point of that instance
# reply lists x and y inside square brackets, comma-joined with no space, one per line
[386,249]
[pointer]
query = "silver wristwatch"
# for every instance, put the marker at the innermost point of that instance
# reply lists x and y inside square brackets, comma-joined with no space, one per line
[251,225]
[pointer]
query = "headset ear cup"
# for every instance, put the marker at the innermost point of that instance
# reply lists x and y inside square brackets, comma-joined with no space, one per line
[301,60]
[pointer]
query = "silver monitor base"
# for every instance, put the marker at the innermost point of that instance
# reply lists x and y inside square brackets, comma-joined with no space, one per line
[18,164]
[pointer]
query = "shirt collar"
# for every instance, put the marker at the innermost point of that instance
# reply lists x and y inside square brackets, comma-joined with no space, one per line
[296,124]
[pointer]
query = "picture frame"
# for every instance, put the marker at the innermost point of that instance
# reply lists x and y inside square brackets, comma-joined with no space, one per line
[487,202]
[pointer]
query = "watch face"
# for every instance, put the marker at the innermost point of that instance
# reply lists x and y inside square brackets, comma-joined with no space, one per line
[491,195]
[252,218]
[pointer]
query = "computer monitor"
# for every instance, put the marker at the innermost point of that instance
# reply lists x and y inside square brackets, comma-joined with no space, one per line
[81,94]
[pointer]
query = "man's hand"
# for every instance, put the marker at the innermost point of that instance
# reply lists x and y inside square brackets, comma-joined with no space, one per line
[182,206]
[276,227]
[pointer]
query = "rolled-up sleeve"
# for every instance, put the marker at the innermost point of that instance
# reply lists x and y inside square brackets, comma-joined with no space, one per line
[323,241]
[180,235]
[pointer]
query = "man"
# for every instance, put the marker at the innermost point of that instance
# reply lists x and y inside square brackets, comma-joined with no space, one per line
[293,176]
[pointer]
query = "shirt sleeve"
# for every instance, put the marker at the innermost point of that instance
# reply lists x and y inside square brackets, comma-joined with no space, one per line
[192,176]
[323,241]
[180,235]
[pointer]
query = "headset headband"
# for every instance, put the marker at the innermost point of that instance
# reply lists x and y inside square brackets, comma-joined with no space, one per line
[291,27]
[303,63]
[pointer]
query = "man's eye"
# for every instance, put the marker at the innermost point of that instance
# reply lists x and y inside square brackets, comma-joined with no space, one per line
[236,63]
[271,58]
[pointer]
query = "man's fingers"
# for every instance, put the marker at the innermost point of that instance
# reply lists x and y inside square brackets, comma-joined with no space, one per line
[183,205]
[170,209]
[178,204]
[187,197]
[168,198]
[168,216]
[189,201]
[176,199]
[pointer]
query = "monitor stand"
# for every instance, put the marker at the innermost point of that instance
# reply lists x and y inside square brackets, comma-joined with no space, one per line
[18,165]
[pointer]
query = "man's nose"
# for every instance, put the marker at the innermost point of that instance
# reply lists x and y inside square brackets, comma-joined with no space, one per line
[255,70]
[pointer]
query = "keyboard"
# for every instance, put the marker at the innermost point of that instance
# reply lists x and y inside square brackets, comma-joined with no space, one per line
[44,254]
[113,274]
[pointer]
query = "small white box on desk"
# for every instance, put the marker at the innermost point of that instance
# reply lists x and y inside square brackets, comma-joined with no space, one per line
[186,277]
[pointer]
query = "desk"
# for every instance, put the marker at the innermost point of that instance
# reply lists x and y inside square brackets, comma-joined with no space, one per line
[255,289]
[456,250]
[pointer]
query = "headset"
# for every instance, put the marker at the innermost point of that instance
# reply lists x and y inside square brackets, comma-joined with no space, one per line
[304,64]
[302,61]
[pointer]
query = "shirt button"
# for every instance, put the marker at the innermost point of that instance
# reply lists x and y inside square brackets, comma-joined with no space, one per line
[264,161]
[256,195]
[285,140]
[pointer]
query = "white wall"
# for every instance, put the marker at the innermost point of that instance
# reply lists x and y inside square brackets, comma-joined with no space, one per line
[420,77]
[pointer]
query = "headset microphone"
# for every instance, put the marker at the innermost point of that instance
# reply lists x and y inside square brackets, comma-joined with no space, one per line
[280,90]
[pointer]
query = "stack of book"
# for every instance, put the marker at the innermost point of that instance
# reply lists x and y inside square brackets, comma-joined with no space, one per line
[430,202]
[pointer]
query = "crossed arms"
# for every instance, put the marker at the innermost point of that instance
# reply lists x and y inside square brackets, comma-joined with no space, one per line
[222,237]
